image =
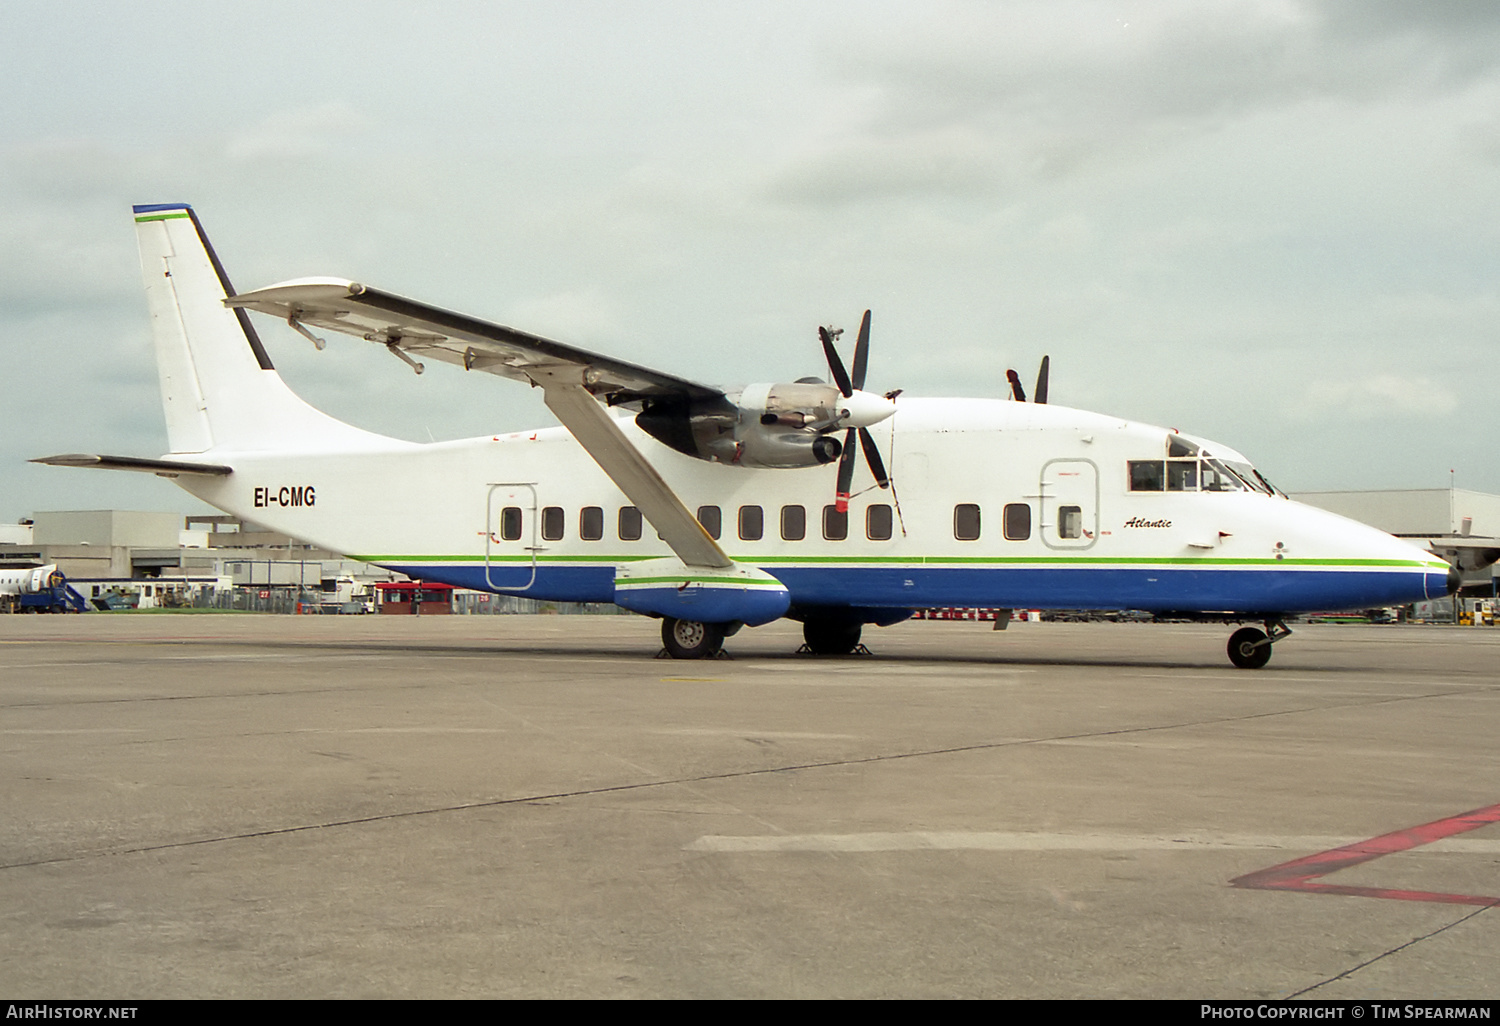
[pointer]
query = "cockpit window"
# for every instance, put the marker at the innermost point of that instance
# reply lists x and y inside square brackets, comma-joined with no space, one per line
[1182,475]
[1219,478]
[1199,473]
[1251,477]
[1148,476]
[1179,446]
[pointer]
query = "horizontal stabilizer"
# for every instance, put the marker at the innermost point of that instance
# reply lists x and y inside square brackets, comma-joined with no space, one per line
[166,468]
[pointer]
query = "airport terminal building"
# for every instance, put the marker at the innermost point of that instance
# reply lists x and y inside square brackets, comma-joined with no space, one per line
[147,559]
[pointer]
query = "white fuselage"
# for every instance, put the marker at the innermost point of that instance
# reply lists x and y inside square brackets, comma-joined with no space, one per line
[960,469]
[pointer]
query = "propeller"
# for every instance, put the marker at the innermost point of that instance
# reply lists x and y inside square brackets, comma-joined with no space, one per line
[1019,393]
[848,386]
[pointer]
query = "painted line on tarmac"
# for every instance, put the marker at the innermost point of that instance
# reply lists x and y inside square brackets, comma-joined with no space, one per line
[1303,874]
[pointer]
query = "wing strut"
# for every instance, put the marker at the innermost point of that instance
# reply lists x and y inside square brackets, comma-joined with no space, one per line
[565,395]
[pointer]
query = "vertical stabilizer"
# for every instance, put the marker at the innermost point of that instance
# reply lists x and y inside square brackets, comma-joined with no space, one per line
[219,389]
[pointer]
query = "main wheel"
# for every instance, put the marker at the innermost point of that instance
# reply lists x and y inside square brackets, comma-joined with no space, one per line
[689,639]
[831,637]
[1249,649]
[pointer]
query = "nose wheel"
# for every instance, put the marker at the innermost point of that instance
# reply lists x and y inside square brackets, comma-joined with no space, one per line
[1250,647]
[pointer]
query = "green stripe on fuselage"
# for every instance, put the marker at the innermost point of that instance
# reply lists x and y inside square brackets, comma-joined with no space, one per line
[746,582]
[938,561]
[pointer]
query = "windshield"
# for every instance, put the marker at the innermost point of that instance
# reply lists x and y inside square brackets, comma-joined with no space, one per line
[1189,475]
[1252,478]
[1217,477]
[1189,467]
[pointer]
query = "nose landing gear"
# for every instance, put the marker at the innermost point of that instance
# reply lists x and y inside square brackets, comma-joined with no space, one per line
[1250,648]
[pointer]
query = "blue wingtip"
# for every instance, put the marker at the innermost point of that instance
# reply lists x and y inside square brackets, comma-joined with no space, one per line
[147,208]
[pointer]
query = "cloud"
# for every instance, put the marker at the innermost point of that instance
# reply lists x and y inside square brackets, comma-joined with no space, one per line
[953,161]
[297,134]
[1380,396]
[982,99]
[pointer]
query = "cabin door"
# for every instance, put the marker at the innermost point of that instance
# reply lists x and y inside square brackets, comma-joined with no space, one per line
[1070,504]
[512,540]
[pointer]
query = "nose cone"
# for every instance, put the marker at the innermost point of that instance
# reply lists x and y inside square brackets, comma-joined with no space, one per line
[1356,566]
[862,409]
[1455,580]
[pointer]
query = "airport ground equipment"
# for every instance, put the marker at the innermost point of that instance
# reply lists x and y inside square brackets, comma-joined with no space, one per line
[42,589]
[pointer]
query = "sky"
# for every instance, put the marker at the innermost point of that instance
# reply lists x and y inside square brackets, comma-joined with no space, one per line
[1272,223]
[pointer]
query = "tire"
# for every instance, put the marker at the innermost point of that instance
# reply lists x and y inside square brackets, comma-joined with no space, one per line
[1248,648]
[831,637]
[689,639]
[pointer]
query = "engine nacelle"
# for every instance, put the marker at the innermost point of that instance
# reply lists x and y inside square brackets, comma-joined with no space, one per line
[779,426]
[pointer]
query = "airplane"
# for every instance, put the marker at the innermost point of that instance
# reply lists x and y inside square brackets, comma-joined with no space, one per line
[715,509]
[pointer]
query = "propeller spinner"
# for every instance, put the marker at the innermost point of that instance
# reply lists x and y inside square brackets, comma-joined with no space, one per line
[859,410]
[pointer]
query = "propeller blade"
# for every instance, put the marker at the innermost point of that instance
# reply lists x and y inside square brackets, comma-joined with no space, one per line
[846,473]
[848,387]
[862,351]
[1015,386]
[1041,380]
[835,365]
[872,458]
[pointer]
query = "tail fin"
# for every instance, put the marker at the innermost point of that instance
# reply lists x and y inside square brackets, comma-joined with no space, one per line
[218,386]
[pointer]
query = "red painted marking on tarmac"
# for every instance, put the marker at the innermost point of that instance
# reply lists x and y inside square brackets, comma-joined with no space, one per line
[1302,874]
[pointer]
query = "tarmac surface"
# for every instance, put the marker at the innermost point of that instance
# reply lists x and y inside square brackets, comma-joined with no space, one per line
[259,806]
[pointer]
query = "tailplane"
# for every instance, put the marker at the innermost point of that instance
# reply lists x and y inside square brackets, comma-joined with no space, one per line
[219,388]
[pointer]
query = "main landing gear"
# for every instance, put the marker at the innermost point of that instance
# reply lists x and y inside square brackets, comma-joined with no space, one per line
[830,637]
[689,639]
[1250,648]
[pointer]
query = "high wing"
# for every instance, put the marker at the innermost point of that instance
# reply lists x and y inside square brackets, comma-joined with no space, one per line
[571,381]
[408,327]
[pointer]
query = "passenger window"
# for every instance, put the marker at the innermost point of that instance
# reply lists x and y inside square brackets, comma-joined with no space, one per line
[712,520]
[793,523]
[1016,521]
[835,524]
[1182,475]
[1147,476]
[510,523]
[591,523]
[878,523]
[752,523]
[552,523]
[1069,522]
[629,524]
[966,521]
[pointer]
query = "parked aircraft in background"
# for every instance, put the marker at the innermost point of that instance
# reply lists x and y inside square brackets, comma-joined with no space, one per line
[715,509]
